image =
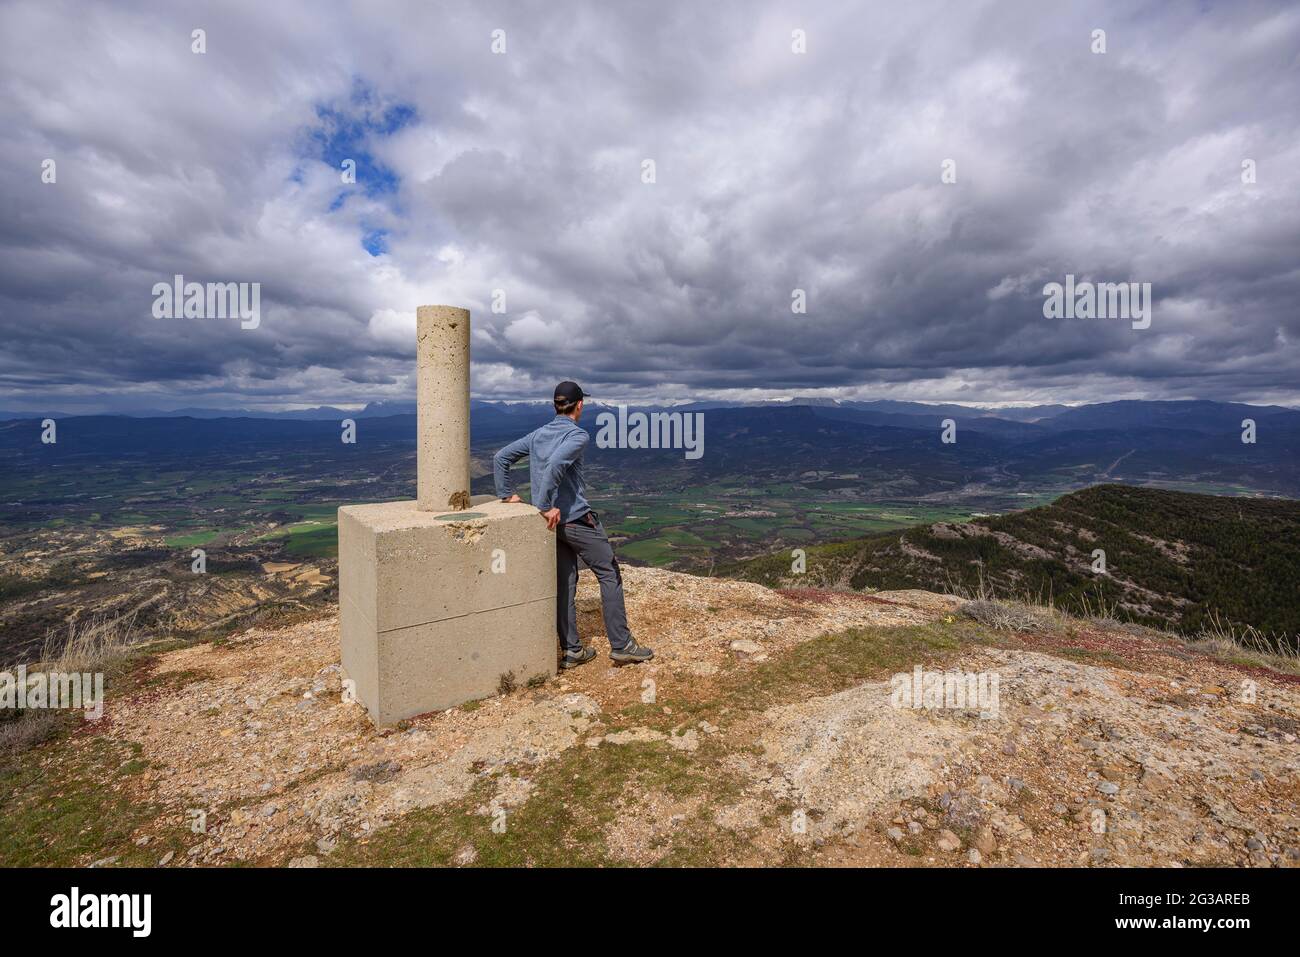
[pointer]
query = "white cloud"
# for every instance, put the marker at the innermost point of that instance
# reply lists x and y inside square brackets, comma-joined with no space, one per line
[775,171]
[531,331]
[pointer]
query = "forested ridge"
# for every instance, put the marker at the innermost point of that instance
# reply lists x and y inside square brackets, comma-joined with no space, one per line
[1172,559]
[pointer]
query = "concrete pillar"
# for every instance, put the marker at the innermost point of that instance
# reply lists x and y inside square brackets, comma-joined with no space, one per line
[442,408]
[425,623]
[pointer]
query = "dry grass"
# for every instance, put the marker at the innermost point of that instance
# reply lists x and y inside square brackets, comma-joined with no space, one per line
[1012,616]
[1099,612]
[89,644]
[1247,644]
[26,731]
[1221,639]
[95,644]
[1004,614]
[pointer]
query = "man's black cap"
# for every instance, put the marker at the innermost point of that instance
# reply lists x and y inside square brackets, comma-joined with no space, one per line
[569,392]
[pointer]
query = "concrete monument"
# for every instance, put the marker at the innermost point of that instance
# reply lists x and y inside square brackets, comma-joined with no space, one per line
[441,599]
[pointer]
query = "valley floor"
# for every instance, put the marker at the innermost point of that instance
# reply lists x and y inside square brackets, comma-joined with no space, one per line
[762,734]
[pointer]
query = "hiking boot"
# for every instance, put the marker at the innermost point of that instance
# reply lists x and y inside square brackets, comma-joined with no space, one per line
[631,653]
[572,659]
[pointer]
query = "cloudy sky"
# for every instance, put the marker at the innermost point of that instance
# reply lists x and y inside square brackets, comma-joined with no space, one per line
[524,171]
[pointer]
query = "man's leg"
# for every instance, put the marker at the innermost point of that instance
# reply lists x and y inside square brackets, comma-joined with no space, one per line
[593,547]
[566,588]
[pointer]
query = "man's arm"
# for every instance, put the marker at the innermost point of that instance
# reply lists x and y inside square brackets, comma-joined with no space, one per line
[569,451]
[504,459]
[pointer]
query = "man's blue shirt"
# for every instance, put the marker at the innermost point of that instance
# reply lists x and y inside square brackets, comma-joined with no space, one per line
[555,467]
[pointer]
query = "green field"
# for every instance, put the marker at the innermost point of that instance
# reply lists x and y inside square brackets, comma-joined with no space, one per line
[202,537]
[321,541]
[693,530]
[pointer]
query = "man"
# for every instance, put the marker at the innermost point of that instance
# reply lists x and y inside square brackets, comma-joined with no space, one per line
[560,494]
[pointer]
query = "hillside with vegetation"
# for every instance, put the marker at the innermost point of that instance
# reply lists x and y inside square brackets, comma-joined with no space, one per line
[1186,562]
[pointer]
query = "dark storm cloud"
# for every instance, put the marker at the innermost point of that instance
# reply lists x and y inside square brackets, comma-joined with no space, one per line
[775,171]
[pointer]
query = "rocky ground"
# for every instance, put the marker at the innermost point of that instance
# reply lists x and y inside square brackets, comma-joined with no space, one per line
[766,731]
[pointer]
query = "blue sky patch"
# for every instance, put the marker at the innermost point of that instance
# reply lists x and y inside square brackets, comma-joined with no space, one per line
[347,131]
[375,242]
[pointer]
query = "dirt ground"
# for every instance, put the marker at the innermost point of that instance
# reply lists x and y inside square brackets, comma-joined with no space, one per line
[751,739]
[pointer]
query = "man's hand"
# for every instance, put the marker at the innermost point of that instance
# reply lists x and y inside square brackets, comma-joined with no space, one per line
[552,518]
[512,500]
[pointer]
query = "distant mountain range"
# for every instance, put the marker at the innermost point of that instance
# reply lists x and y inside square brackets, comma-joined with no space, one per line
[1173,560]
[882,411]
[878,450]
[331,413]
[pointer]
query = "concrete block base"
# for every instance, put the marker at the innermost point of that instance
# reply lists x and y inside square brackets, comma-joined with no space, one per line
[436,608]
